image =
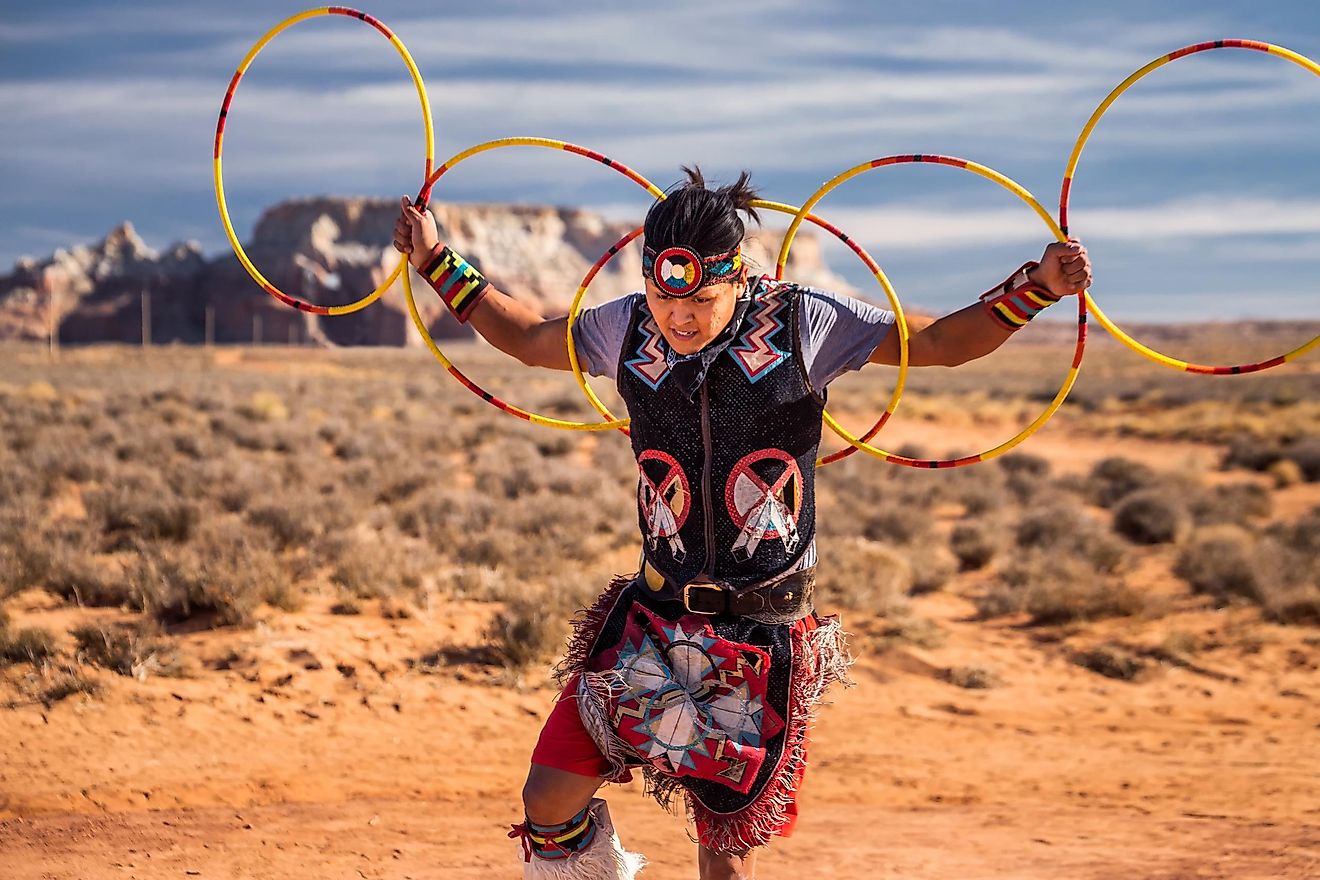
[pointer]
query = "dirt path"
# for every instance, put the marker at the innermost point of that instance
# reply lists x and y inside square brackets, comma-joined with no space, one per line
[368,767]
[413,840]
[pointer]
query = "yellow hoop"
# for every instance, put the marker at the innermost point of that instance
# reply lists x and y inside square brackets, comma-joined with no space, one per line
[219,141]
[1066,191]
[476,389]
[1020,192]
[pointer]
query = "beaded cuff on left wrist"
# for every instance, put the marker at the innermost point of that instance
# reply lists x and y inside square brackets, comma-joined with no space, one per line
[1017,300]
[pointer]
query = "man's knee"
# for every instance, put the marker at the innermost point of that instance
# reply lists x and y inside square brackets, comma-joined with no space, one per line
[539,804]
[551,797]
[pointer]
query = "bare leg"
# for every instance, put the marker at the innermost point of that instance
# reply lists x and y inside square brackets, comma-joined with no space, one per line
[726,866]
[552,796]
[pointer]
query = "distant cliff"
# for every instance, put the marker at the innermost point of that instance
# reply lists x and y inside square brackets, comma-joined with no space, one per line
[330,251]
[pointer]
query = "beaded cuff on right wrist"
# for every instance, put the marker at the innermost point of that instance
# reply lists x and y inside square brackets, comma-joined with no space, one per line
[1017,300]
[457,282]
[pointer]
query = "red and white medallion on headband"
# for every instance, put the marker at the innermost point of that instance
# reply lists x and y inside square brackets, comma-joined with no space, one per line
[677,271]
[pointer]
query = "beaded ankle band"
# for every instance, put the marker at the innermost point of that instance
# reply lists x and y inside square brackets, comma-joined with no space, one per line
[560,841]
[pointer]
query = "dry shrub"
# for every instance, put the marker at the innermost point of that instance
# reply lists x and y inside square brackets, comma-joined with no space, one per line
[1064,530]
[1025,463]
[264,406]
[141,510]
[1260,454]
[62,456]
[524,632]
[1111,661]
[1114,478]
[78,577]
[379,564]
[1057,589]
[1181,643]
[1297,598]
[1151,516]
[290,522]
[973,544]
[1298,604]
[509,469]
[1222,562]
[864,575]
[904,628]
[23,562]
[900,524]
[446,514]
[404,486]
[126,650]
[532,627]
[1306,453]
[218,580]
[1236,503]
[932,568]
[1285,472]
[1280,572]
[28,645]
[67,683]
[972,677]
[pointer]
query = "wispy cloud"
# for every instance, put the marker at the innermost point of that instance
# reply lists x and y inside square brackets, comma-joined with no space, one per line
[790,91]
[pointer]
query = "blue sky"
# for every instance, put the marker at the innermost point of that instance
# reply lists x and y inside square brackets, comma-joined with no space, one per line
[1199,194]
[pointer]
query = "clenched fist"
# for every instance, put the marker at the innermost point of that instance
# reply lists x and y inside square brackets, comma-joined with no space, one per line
[415,233]
[1064,268]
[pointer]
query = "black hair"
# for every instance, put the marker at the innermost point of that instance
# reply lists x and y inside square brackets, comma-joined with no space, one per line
[705,220]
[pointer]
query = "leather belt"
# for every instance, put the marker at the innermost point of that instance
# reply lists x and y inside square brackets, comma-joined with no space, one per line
[783,598]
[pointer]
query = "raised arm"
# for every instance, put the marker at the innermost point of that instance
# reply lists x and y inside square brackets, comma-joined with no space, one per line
[975,331]
[512,327]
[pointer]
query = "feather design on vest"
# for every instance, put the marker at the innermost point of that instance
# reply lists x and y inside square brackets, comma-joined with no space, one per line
[765,509]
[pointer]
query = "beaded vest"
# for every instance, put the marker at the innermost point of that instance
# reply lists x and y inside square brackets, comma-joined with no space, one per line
[726,489]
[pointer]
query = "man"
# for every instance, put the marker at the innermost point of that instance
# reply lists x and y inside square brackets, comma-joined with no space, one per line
[704,669]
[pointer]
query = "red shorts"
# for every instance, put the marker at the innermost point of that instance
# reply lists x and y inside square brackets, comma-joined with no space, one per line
[564,744]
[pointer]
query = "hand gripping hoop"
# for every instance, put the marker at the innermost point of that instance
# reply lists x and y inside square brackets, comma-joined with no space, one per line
[1066,190]
[219,141]
[476,389]
[1013,187]
[900,320]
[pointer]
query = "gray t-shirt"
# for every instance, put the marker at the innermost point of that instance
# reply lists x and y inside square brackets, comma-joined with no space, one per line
[838,334]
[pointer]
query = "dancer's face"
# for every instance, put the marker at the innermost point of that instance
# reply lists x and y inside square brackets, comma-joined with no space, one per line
[690,324]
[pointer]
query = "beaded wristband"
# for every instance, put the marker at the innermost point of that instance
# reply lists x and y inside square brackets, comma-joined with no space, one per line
[456,281]
[1018,300]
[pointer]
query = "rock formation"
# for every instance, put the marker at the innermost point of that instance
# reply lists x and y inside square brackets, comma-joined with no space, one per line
[330,251]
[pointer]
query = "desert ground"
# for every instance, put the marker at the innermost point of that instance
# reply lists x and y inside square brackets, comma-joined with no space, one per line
[274,612]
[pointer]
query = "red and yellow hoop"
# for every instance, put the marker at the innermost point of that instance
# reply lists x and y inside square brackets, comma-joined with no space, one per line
[218,171]
[1070,174]
[432,179]
[1013,187]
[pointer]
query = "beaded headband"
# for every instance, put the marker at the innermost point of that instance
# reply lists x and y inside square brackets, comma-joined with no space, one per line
[681,272]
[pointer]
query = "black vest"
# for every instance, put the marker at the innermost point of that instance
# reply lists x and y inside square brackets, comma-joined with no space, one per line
[727,482]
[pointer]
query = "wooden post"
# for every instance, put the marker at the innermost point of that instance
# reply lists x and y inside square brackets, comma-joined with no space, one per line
[146,320]
[209,333]
[256,328]
[53,331]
